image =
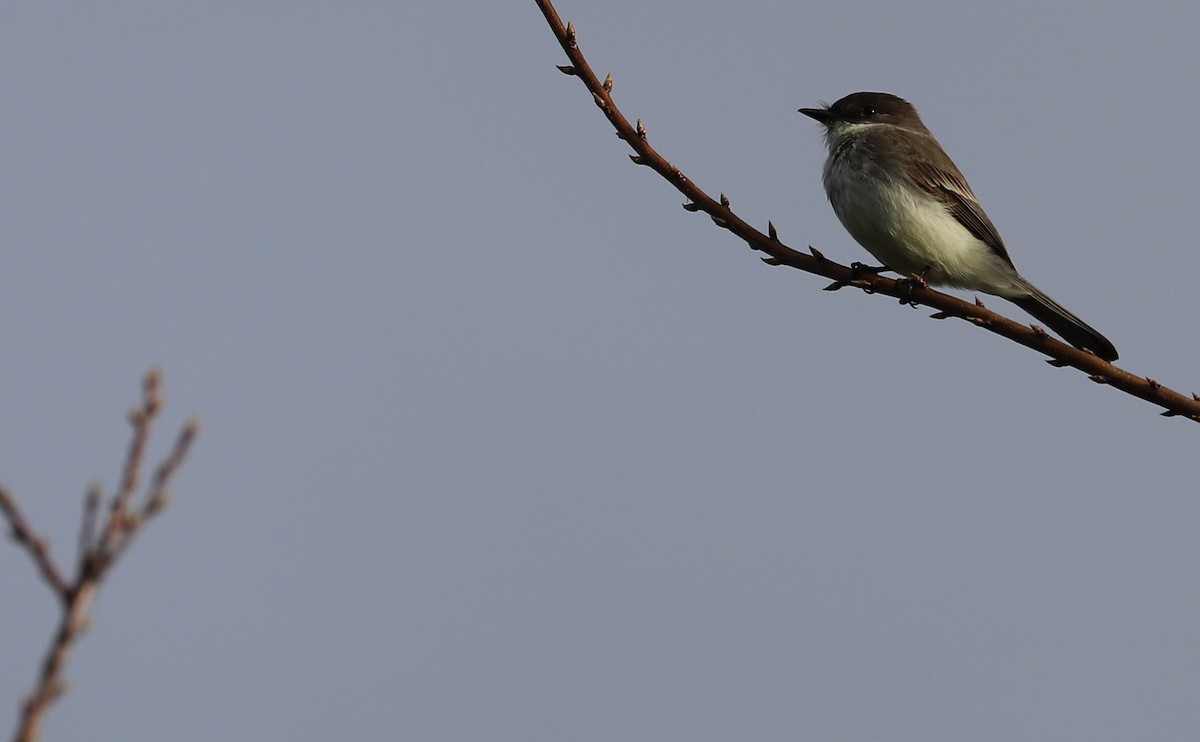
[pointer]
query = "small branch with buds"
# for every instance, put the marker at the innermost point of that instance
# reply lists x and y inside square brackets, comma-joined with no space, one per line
[856,276]
[100,546]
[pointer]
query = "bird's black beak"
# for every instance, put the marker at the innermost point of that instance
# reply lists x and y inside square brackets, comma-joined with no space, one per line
[823,115]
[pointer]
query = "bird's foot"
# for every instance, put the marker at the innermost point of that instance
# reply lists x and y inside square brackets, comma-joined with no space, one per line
[857,269]
[913,282]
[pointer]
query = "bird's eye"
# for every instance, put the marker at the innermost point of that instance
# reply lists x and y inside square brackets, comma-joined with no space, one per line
[869,111]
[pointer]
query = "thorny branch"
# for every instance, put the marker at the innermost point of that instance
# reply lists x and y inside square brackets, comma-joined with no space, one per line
[1031,336]
[100,546]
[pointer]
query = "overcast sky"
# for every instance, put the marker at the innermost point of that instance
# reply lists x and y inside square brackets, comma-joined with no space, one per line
[502,444]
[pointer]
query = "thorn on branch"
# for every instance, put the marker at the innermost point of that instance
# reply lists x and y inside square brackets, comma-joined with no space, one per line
[816,253]
[941,315]
[1039,331]
[979,303]
[1098,378]
[689,206]
[719,222]
[772,261]
[836,286]
[771,233]
[1153,384]
[1057,363]
[637,159]
[566,69]
[641,129]
[607,83]
[600,102]
[571,33]
[725,200]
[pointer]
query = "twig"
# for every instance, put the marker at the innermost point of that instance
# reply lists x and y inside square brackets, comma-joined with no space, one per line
[39,550]
[98,550]
[1031,336]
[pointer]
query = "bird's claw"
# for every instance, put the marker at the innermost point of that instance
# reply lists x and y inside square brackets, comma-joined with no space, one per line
[857,269]
[911,284]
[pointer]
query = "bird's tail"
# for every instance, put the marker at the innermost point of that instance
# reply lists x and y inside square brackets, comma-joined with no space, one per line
[1072,329]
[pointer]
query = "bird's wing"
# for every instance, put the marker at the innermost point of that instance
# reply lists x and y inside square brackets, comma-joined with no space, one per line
[941,178]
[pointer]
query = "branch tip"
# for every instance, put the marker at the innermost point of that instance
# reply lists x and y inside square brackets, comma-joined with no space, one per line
[87,528]
[191,428]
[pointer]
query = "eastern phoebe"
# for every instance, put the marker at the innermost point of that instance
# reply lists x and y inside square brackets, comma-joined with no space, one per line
[900,196]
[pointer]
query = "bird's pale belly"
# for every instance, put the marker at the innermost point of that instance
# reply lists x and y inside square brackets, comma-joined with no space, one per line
[912,233]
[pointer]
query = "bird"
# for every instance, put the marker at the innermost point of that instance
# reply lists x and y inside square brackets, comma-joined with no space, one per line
[901,197]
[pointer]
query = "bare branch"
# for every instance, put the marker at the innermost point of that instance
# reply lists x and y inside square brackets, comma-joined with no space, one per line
[1031,336]
[98,550]
[37,547]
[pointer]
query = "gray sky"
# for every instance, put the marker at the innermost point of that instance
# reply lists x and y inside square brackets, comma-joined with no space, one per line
[501,443]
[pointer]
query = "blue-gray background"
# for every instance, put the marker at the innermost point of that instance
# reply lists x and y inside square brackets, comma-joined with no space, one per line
[500,443]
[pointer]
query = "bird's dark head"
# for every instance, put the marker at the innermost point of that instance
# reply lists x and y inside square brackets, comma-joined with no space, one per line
[866,109]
